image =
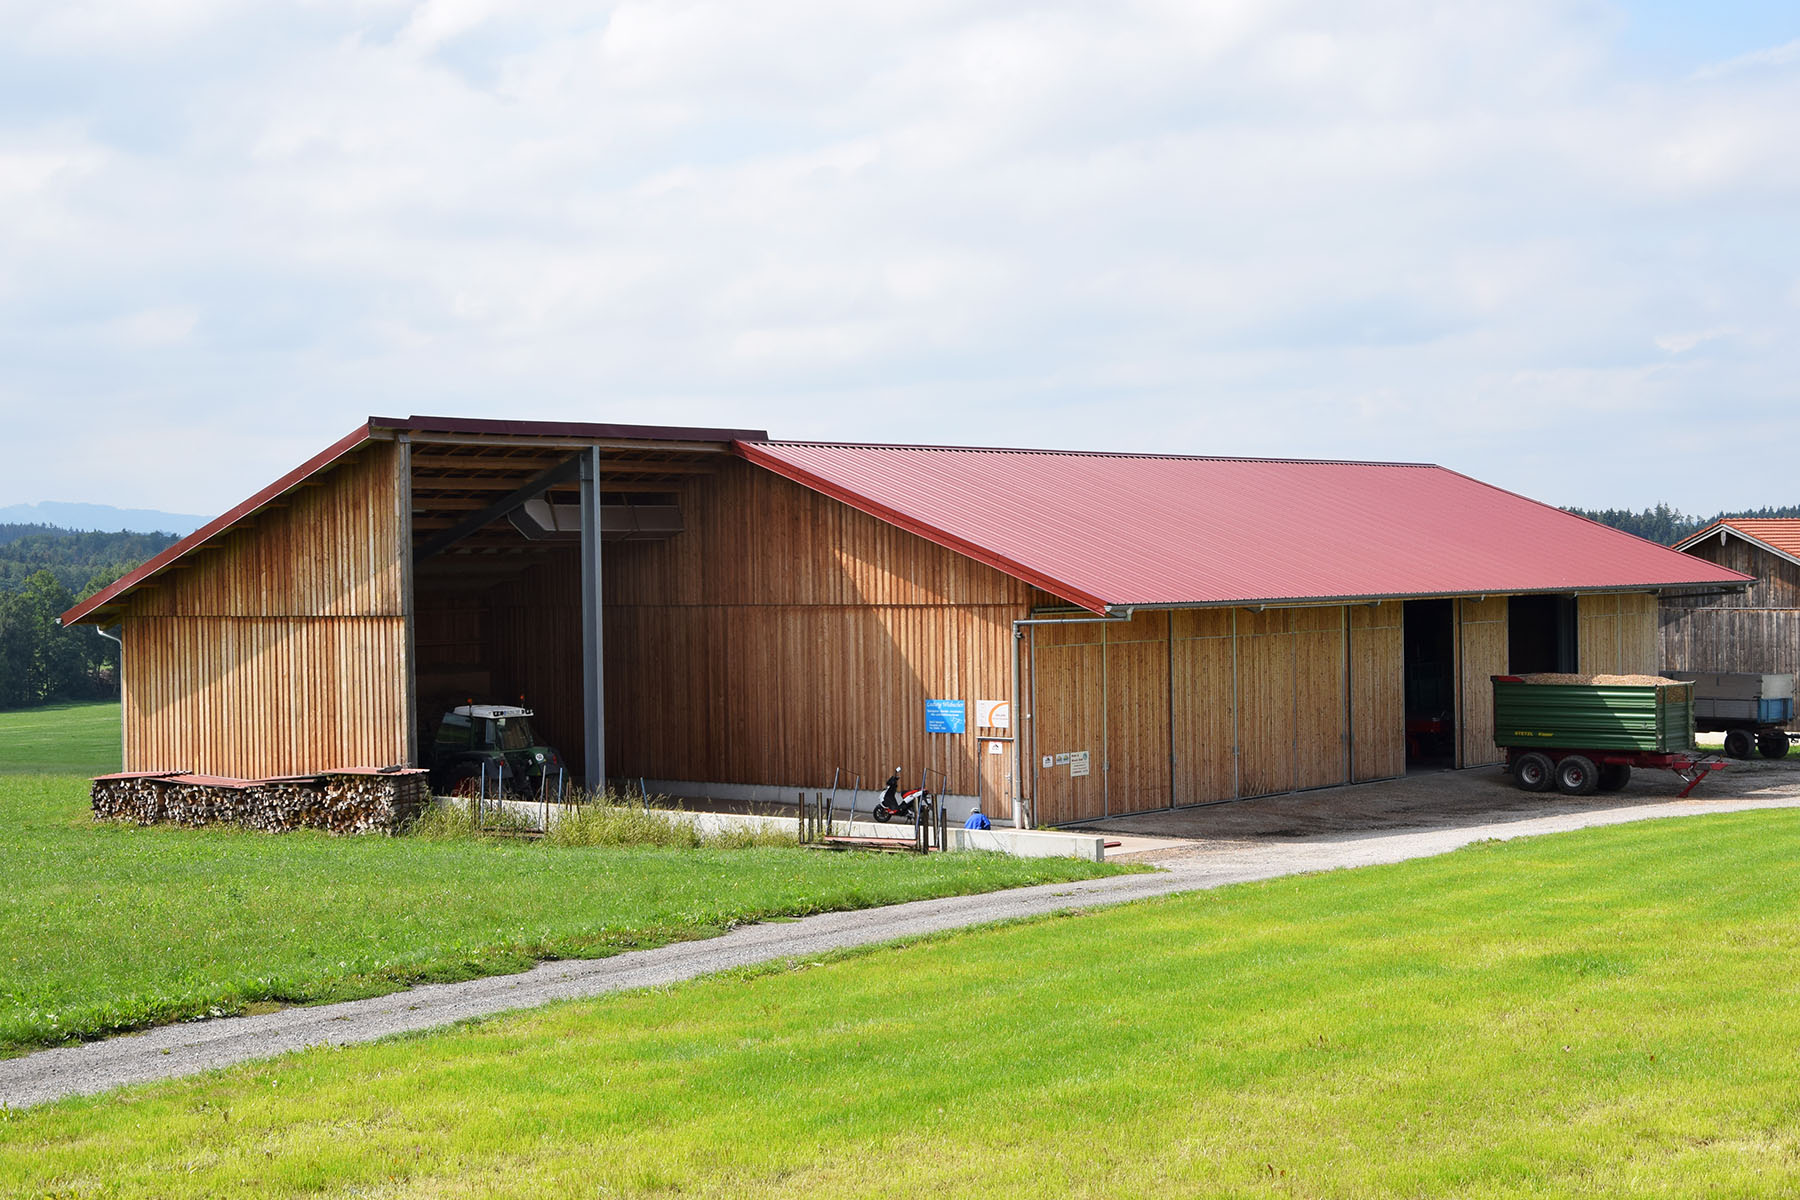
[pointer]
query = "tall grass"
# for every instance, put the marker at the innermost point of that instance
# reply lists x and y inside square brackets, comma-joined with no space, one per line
[606,819]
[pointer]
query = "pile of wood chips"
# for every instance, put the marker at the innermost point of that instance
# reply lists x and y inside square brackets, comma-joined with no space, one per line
[1603,680]
[355,800]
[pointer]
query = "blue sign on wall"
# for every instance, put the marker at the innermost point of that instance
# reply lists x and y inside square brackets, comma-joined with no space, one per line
[946,716]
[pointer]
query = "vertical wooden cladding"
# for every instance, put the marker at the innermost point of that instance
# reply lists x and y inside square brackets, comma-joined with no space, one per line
[1136,752]
[1203,720]
[1618,634]
[282,648]
[1377,692]
[1198,705]
[755,538]
[784,635]
[1777,583]
[1068,665]
[1481,650]
[1266,702]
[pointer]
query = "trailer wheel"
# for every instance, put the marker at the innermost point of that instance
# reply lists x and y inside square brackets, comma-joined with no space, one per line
[1576,775]
[1614,776]
[1533,772]
[1771,744]
[1739,743]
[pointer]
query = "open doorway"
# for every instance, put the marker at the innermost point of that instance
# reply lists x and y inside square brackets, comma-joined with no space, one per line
[1430,681]
[1540,634]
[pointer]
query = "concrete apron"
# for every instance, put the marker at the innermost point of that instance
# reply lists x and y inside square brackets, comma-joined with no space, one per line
[1020,843]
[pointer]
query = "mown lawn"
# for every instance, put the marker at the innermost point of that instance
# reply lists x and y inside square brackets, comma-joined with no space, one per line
[60,739]
[106,927]
[1608,1013]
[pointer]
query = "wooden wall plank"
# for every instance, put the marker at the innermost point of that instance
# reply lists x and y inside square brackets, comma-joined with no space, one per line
[1320,732]
[1070,716]
[1482,647]
[1378,692]
[1136,750]
[1205,723]
[1265,702]
[1598,636]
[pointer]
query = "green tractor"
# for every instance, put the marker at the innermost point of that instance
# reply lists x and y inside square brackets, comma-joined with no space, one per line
[492,750]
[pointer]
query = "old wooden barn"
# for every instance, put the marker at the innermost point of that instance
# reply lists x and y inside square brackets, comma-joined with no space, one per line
[725,615]
[1756,631]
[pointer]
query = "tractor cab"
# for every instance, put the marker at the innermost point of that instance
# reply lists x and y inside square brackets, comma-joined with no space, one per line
[492,748]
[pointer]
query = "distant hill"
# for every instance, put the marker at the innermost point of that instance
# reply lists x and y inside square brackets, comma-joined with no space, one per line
[43,571]
[1669,525]
[77,560]
[104,517]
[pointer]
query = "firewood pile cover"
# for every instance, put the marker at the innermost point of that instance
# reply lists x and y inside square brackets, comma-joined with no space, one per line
[351,800]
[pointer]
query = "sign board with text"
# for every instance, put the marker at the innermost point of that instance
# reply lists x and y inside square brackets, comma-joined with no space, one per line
[946,716]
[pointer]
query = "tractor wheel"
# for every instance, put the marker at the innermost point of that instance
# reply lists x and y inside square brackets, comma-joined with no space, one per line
[1533,772]
[1771,744]
[1576,775]
[1739,743]
[465,783]
[1614,776]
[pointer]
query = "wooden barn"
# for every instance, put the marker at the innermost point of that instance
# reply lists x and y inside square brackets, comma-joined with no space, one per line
[724,615]
[1755,631]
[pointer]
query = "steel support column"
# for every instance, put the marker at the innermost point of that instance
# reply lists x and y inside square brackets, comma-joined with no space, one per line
[593,656]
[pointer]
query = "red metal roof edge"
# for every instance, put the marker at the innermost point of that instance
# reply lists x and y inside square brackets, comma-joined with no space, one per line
[217,525]
[931,533]
[577,429]
[1243,458]
[1700,535]
[1737,576]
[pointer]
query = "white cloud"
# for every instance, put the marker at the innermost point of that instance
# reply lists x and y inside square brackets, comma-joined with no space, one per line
[1786,54]
[1418,229]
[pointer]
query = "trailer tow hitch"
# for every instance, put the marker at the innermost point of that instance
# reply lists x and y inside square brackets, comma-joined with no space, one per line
[1693,770]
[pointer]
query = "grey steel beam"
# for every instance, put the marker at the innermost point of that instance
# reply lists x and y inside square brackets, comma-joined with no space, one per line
[593,648]
[560,473]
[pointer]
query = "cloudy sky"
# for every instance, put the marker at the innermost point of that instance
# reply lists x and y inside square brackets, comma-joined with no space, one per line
[1552,244]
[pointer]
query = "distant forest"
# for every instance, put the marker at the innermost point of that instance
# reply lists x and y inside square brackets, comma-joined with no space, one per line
[1669,525]
[43,572]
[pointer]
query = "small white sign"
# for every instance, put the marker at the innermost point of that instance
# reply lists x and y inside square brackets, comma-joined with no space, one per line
[1049,761]
[996,747]
[1062,760]
[993,714]
[1078,764]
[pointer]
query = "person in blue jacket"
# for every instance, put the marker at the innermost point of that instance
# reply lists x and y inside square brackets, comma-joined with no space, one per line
[976,820]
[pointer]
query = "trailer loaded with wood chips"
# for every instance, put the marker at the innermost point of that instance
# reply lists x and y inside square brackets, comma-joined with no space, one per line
[1584,733]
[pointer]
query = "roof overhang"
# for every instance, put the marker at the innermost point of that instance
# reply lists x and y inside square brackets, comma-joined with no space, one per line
[1724,527]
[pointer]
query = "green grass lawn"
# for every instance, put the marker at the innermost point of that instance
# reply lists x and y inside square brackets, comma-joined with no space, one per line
[60,739]
[1608,1013]
[106,927]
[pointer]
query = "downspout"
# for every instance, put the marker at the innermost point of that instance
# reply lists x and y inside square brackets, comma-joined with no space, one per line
[120,643]
[1113,617]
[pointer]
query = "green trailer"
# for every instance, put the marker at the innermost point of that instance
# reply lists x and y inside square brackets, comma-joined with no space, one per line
[1586,737]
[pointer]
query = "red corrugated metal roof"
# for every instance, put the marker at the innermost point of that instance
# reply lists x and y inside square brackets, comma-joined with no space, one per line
[1780,534]
[1121,530]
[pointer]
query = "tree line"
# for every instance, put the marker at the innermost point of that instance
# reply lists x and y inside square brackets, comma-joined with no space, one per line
[44,571]
[1669,525]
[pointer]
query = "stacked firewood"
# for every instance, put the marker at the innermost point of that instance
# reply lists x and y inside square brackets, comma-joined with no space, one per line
[358,800]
